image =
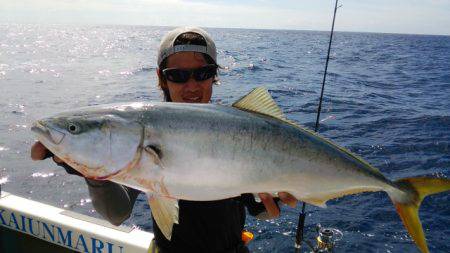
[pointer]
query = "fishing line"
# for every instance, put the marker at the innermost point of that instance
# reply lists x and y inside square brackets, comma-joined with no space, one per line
[299,237]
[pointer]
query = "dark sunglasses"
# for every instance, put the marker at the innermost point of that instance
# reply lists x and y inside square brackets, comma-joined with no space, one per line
[182,75]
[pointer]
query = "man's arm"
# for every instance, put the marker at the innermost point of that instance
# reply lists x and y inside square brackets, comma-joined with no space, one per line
[112,201]
[258,209]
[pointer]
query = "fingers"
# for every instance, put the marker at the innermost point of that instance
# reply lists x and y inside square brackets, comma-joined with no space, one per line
[288,199]
[269,204]
[38,151]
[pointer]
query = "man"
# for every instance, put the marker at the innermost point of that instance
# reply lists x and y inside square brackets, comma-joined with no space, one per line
[187,70]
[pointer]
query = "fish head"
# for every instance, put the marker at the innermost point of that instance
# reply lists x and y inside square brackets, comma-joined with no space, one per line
[98,146]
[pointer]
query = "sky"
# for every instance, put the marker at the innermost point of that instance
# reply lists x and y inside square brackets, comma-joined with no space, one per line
[400,16]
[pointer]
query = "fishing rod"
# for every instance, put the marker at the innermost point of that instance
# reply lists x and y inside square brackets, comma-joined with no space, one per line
[324,234]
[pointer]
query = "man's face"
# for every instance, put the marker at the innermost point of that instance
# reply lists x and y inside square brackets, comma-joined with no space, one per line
[192,91]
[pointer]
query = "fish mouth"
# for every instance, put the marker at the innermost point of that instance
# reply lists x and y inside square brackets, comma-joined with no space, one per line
[51,134]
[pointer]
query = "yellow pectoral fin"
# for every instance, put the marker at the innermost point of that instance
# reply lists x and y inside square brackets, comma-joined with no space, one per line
[165,212]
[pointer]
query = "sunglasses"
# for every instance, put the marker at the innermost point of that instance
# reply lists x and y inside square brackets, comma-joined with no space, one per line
[182,75]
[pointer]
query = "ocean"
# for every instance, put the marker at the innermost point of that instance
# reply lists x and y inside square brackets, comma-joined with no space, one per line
[387,99]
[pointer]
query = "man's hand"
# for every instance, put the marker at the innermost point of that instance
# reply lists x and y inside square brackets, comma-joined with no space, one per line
[40,152]
[271,206]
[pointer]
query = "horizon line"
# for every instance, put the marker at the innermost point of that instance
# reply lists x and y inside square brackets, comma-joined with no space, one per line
[237,28]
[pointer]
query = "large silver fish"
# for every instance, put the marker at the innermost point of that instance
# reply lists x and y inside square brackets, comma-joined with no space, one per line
[208,152]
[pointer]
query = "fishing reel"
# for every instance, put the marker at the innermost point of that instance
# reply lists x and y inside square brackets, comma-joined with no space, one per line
[327,238]
[325,241]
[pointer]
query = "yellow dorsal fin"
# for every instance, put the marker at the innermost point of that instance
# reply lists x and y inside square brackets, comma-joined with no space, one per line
[260,101]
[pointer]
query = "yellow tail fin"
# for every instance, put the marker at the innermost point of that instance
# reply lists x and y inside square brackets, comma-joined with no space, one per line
[409,211]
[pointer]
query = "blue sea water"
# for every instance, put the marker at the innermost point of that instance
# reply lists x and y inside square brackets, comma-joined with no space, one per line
[387,99]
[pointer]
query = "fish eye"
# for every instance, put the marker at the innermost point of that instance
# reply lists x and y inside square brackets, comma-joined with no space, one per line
[73,128]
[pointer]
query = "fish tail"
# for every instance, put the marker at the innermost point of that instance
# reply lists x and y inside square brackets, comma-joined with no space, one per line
[408,208]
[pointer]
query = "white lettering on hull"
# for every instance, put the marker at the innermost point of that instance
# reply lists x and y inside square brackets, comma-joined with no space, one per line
[56,234]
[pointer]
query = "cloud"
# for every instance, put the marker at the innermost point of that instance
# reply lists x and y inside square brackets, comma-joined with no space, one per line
[414,16]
